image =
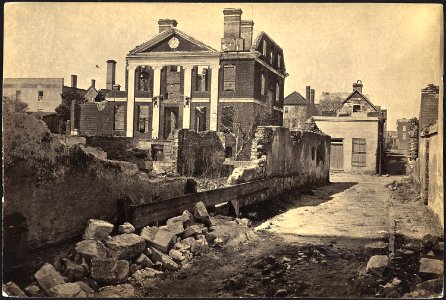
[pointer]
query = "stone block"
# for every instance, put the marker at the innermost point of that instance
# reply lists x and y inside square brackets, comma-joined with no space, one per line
[175,225]
[117,291]
[200,246]
[125,246]
[85,287]
[146,273]
[166,261]
[431,268]
[48,277]
[13,290]
[74,271]
[68,290]
[109,270]
[33,290]
[201,214]
[159,239]
[97,229]
[90,249]
[176,255]
[377,247]
[377,264]
[193,230]
[187,218]
[144,261]
[126,228]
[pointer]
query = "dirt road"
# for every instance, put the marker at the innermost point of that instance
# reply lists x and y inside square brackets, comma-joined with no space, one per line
[314,247]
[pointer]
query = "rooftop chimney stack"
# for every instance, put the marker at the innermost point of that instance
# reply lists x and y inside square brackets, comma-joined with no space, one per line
[308,93]
[357,86]
[93,83]
[312,96]
[166,24]
[111,73]
[231,40]
[246,28]
[74,81]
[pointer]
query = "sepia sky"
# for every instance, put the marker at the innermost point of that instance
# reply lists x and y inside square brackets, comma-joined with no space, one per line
[393,48]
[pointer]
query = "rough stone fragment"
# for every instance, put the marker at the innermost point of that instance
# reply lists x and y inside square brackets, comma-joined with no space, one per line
[125,246]
[192,230]
[85,287]
[175,225]
[90,249]
[109,270]
[244,221]
[176,255]
[439,249]
[201,214]
[126,228]
[210,237]
[188,241]
[200,246]
[48,277]
[187,218]
[431,268]
[377,247]
[377,264]
[166,261]
[97,230]
[144,261]
[133,268]
[68,290]
[159,239]
[13,290]
[429,241]
[146,273]
[117,291]
[74,271]
[33,290]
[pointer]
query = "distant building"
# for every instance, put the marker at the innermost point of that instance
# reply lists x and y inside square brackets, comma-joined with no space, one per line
[356,127]
[42,95]
[391,139]
[402,128]
[428,106]
[297,109]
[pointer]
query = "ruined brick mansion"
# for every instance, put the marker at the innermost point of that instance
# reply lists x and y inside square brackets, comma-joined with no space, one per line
[174,81]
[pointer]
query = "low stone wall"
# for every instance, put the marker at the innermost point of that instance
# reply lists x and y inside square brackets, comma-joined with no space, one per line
[58,210]
[279,152]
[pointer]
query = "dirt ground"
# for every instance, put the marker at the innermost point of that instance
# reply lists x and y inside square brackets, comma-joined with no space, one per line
[307,244]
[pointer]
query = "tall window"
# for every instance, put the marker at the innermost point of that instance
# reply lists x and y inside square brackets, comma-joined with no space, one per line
[144,80]
[264,48]
[200,118]
[262,84]
[227,118]
[201,78]
[359,152]
[277,92]
[229,78]
[18,95]
[40,96]
[119,115]
[143,118]
[404,128]
[279,58]
[271,56]
[404,136]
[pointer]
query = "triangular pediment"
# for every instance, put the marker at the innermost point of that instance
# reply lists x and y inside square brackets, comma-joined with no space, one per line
[357,97]
[172,40]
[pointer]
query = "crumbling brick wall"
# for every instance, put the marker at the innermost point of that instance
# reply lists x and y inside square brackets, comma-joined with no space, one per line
[199,153]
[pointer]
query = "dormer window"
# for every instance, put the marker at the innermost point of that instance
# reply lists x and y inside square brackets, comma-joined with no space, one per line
[356,108]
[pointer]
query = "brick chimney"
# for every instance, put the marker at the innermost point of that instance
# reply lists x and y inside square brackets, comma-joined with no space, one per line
[308,93]
[111,72]
[93,83]
[312,96]
[165,24]
[246,28]
[231,40]
[357,86]
[74,81]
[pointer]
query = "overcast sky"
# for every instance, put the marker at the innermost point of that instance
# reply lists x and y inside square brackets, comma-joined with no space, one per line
[393,48]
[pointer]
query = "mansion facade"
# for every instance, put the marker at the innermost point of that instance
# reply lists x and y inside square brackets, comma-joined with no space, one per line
[174,81]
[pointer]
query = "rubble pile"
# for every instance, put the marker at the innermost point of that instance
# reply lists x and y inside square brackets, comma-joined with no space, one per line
[102,265]
[414,270]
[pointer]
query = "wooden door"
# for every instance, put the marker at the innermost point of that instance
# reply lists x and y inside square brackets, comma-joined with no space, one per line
[337,156]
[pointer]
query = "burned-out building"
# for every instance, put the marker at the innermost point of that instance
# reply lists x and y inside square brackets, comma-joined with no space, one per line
[174,81]
[297,109]
[428,106]
[357,129]
[402,128]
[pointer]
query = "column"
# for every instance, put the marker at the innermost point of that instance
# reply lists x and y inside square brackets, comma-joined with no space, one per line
[156,101]
[187,96]
[214,98]
[130,101]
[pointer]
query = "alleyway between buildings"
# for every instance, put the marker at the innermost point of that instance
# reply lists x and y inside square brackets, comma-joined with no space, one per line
[316,247]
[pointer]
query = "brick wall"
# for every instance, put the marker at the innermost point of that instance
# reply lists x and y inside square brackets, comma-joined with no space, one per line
[98,119]
[244,79]
[428,106]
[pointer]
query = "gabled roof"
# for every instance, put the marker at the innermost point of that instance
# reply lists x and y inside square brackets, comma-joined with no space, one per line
[360,94]
[256,44]
[164,36]
[295,99]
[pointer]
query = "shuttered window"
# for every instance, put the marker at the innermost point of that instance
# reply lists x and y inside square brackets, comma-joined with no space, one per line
[229,78]
[358,152]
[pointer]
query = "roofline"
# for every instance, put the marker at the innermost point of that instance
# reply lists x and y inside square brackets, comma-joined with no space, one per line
[351,94]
